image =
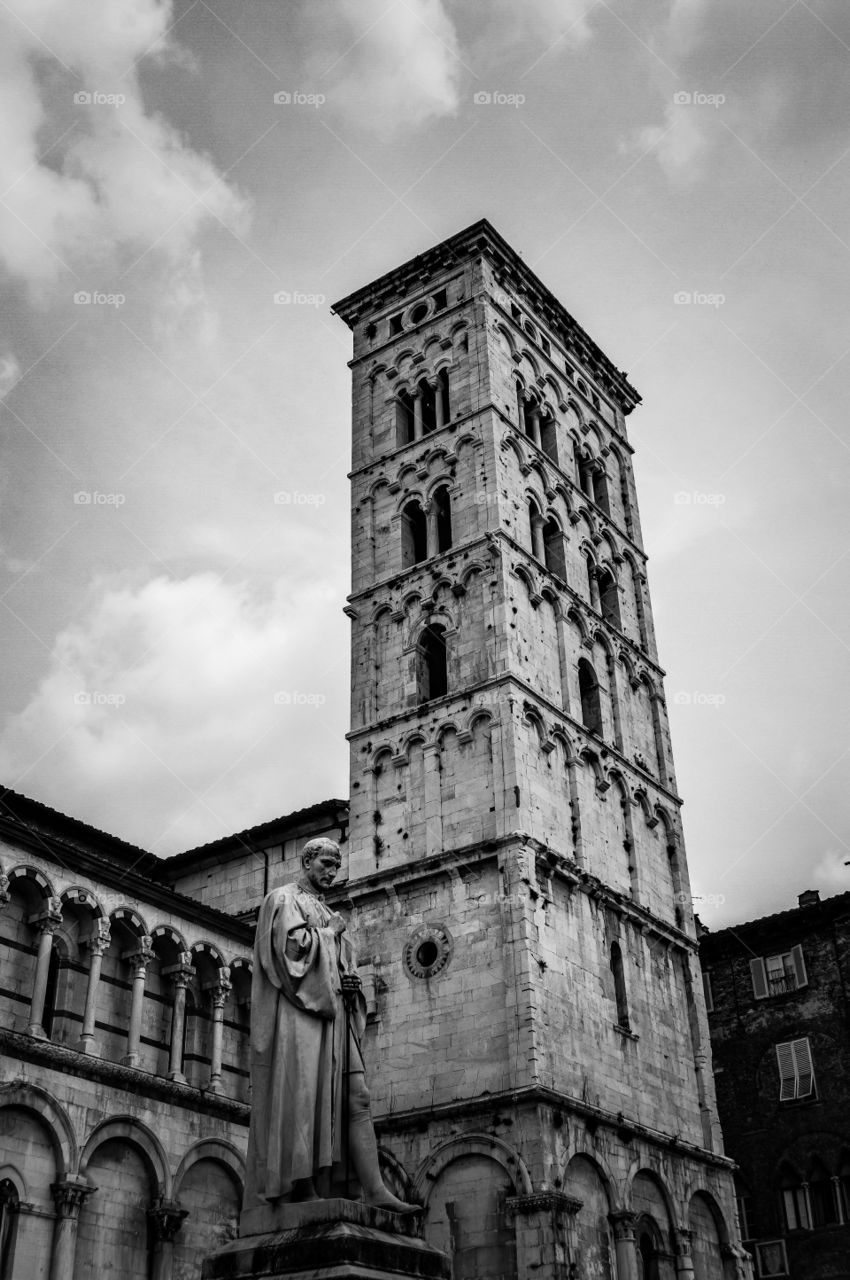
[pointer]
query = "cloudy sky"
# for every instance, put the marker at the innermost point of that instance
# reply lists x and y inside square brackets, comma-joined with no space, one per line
[176,657]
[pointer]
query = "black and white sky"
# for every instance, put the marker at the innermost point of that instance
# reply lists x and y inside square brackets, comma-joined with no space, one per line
[174,500]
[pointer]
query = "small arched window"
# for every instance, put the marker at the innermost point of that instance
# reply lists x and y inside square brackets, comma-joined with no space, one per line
[414,535]
[620,996]
[444,393]
[428,397]
[795,1202]
[584,468]
[549,437]
[442,518]
[609,598]
[433,666]
[591,707]
[9,1206]
[535,525]
[822,1196]
[553,548]
[599,481]
[404,418]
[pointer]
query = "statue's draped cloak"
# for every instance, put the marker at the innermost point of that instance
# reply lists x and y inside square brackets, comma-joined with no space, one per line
[297,1043]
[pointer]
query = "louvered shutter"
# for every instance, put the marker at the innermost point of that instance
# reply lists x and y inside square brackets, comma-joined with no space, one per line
[803,1066]
[787,1071]
[759,978]
[799,966]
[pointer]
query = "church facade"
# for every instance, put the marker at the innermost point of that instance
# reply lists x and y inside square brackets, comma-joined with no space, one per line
[513,865]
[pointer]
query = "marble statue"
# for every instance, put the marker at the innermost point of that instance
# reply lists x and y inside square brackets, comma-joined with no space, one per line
[306,1126]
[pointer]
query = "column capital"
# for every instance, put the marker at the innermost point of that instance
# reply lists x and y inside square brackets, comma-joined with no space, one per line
[221,988]
[4,888]
[99,938]
[182,972]
[166,1218]
[623,1224]
[49,918]
[683,1238]
[69,1194]
[141,955]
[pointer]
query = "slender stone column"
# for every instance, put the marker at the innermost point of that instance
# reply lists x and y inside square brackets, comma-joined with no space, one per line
[219,992]
[432,548]
[68,1196]
[593,585]
[140,958]
[684,1256]
[439,408]
[534,424]
[417,415]
[47,923]
[839,1199]
[98,946]
[624,1243]
[166,1219]
[180,975]
[537,546]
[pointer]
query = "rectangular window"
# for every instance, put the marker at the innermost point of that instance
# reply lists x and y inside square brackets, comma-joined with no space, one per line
[440,300]
[770,1258]
[745,1213]
[395,323]
[775,975]
[796,1073]
[796,1206]
[707,992]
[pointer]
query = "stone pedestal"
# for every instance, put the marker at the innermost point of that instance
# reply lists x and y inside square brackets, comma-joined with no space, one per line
[331,1240]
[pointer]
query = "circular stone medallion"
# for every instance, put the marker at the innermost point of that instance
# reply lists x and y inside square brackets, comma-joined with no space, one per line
[427,951]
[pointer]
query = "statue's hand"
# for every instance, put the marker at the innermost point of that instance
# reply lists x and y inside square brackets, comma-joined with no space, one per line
[337,924]
[351,982]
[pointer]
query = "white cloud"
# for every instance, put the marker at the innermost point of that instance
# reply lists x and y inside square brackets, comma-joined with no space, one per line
[83,179]
[392,66]
[561,21]
[157,718]
[10,371]
[679,144]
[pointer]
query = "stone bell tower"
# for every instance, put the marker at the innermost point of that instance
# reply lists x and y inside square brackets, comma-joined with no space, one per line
[537,1044]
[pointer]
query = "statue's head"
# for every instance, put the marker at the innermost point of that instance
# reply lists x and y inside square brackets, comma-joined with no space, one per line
[321,861]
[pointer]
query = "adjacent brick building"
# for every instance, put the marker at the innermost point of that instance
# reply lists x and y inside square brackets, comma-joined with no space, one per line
[779,1018]
[513,865]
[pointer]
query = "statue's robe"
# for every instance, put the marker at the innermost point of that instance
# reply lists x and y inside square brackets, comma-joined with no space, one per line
[297,1044]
